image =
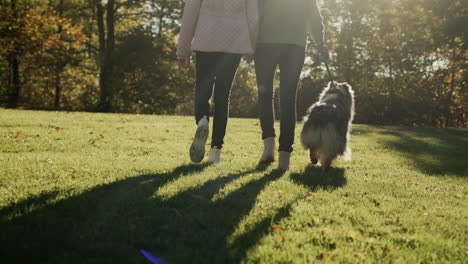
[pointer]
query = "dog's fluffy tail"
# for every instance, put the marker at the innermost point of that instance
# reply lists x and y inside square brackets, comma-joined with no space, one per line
[325,140]
[321,137]
[311,137]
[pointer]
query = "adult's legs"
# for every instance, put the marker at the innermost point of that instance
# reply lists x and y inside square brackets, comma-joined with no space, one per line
[266,60]
[226,67]
[290,64]
[205,67]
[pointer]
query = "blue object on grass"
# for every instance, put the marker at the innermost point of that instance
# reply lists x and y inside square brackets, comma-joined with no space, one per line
[152,258]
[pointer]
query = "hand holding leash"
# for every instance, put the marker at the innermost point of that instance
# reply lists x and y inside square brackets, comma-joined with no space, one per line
[248,58]
[184,62]
[325,56]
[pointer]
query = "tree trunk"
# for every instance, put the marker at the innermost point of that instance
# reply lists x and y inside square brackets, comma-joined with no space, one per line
[448,111]
[58,89]
[102,58]
[14,67]
[14,99]
[106,49]
[110,43]
[59,65]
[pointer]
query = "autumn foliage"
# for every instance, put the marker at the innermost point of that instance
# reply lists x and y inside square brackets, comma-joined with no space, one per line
[406,59]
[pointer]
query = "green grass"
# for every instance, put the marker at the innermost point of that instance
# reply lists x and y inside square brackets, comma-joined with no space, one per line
[94,188]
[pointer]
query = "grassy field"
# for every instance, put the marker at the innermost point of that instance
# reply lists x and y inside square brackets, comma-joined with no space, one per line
[95,188]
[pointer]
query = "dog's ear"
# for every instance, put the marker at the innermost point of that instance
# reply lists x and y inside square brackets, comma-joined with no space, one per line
[347,87]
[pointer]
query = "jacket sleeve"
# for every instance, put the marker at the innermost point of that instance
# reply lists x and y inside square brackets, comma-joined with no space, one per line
[252,20]
[316,23]
[189,24]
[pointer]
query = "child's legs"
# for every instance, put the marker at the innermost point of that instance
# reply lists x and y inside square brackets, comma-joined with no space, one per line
[205,66]
[291,63]
[226,67]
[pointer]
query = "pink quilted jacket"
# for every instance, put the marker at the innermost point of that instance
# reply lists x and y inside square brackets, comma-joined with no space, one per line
[218,26]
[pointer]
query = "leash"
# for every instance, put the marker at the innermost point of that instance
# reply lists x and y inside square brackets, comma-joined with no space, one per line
[329,73]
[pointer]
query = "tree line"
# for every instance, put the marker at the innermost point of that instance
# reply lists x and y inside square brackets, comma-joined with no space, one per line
[406,59]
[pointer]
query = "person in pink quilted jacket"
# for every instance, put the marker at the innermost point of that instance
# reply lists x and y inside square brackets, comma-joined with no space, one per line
[219,32]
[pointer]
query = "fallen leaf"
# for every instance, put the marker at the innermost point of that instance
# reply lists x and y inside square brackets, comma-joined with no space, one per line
[276,228]
[359,255]
[326,231]
[283,239]
[330,256]
[167,131]
[19,134]
[350,235]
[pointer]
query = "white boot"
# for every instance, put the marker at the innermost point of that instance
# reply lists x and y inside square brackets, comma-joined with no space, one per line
[215,155]
[197,149]
[268,154]
[283,163]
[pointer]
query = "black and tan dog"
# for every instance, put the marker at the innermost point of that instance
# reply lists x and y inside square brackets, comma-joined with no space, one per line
[328,123]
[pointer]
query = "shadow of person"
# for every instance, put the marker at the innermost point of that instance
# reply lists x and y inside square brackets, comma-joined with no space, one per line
[210,220]
[314,178]
[77,229]
[109,223]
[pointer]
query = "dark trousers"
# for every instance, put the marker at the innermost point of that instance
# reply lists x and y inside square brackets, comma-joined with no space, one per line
[290,59]
[215,71]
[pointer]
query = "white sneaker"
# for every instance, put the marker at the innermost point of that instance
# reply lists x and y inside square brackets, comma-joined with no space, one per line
[197,149]
[268,155]
[283,163]
[215,155]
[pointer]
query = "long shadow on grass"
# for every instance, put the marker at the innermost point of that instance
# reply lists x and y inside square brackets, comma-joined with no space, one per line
[313,178]
[109,223]
[433,151]
[93,227]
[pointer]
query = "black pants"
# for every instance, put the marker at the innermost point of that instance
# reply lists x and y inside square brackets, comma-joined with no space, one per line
[215,70]
[290,59]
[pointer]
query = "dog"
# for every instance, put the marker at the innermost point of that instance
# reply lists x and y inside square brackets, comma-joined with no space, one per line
[327,125]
